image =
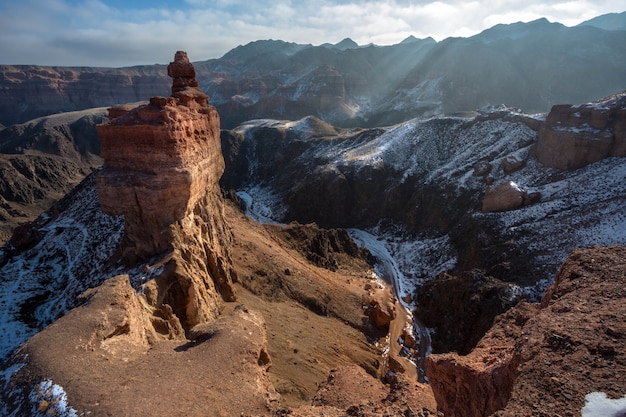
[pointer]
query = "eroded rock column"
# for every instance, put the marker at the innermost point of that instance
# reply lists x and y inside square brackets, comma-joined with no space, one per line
[162,164]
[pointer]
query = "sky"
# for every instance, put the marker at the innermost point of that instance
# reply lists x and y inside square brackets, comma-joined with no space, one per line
[116,33]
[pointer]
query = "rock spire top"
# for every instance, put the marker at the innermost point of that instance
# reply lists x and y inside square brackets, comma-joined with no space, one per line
[184,84]
[182,71]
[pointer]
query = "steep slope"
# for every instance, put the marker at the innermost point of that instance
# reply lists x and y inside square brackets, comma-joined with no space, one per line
[67,252]
[41,160]
[546,359]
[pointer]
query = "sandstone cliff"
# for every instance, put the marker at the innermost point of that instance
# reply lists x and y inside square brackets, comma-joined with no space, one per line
[28,91]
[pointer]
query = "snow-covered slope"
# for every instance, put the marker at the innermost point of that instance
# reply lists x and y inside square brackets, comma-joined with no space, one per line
[39,284]
[415,185]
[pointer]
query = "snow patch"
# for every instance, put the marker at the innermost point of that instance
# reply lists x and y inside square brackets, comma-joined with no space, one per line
[263,204]
[50,399]
[597,404]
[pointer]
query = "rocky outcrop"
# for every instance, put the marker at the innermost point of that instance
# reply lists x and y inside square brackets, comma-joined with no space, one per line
[480,383]
[350,391]
[575,136]
[323,247]
[543,359]
[115,340]
[162,164]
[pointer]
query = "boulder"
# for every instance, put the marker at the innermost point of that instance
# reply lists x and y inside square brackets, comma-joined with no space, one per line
[505,196]
[25,236]
[408,337]
[511,164]
[381,313]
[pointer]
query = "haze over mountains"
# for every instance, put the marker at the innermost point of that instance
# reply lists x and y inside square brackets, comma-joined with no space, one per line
[526,65]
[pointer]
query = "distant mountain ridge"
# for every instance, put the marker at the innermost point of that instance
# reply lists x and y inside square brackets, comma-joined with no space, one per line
[530,66]
[611,21]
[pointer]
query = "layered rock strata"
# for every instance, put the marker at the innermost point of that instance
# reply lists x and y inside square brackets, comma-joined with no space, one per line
[544,359]
[162,164]
[575,136]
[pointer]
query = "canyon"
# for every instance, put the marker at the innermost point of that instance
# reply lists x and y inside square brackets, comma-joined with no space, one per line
[206,283]
[149,279]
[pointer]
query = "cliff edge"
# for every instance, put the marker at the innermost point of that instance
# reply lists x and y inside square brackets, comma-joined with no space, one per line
[545,358]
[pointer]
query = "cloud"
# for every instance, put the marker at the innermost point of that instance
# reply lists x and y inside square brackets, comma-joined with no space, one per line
[118,33]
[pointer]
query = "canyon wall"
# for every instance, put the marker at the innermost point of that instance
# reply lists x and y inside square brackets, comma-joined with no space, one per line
[28,91]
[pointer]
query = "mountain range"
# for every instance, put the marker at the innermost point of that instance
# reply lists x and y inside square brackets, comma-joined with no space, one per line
[530,66]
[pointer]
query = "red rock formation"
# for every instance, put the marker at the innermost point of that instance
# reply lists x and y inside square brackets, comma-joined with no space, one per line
[32,91]
[162,164]
[575,136]
[381,312]
[543,359]
[511,164]
[479,384]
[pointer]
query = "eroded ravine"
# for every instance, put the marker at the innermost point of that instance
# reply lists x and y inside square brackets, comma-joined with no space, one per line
[388,270]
